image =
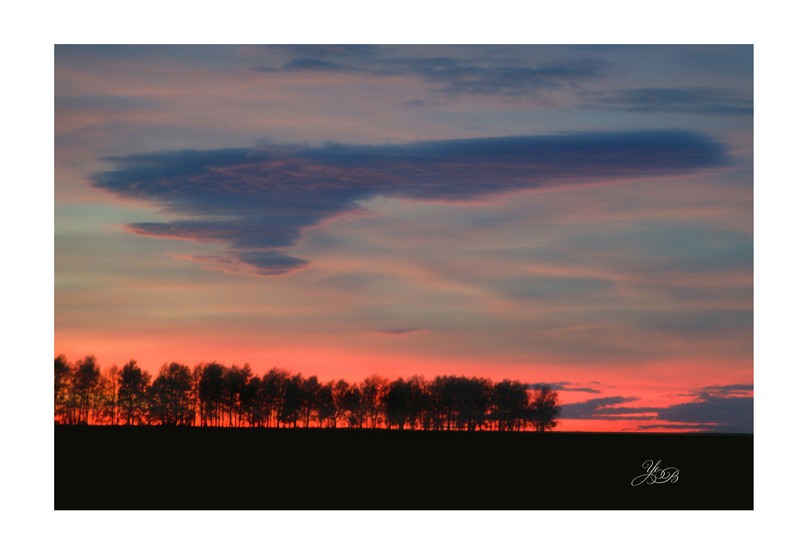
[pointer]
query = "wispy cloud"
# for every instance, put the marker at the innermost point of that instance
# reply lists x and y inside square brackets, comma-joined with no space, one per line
[257,201]
[726,391]
[565,386]
[398,331]
[269,263]
[602,408]
[454,71]
[692,100]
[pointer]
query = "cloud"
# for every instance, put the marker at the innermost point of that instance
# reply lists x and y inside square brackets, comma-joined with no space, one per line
[467,77]
[565,386]
[357,52]
[453,71]
[551,288]
[398,331]
[314,64]
[723,409]
[724,415]
[269,263]
[257,201]
[726,391]
[692,100]
[600,408]
[678,427]
[95,104]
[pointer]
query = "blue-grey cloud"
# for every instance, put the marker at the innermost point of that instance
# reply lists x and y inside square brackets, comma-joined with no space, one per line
[399,331]
[721,409]
[314,64]
[565,386]
[552,289]
[362,53]
[452,71]
[273,262]
[600,408]
[100,103]
[464,77]
[714,413]
[725,408]
[710,324]
[678,427]
[257,201]
[726,390]
[693,100]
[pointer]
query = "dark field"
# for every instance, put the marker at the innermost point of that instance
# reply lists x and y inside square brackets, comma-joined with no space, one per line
[193,468]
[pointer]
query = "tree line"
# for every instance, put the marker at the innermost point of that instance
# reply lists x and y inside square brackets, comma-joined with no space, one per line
[215,395]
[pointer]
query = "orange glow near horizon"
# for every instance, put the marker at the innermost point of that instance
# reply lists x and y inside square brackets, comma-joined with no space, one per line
[334,364]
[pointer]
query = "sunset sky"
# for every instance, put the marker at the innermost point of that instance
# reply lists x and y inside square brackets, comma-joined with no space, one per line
[575,215]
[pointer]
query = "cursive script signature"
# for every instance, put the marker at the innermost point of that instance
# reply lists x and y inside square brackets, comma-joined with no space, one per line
[655,474]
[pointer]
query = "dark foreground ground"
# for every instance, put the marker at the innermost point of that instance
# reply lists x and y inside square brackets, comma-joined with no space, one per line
[191,468]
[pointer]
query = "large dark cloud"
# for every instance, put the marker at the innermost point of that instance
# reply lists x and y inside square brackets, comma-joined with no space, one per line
[257,201]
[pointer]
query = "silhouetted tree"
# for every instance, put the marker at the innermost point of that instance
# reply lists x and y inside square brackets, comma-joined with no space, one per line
[293,398]
[405,402]
[373,390]
[273,389]
[509,405]
[86,380]
[326,406]
[196,406]
[64,402]
[418,401]
[396,402]
[442,402]
[133,386]
[310,397]
[340,389]
[105,402]
[210,389]
[170,396]
[454,403]
[423,403]
[234,380]
[352,404]
[544,408]
[251,402]
[472,400]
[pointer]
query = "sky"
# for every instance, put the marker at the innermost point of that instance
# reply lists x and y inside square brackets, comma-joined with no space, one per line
[575,215]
